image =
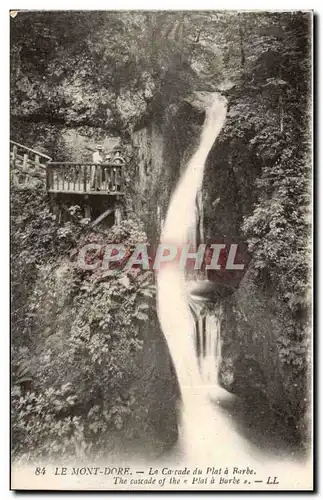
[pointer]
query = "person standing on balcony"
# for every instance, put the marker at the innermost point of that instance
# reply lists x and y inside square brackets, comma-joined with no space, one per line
[97,158]
[107,171]
[117,160]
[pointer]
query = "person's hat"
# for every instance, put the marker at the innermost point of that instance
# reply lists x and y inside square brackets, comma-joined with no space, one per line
[99,146]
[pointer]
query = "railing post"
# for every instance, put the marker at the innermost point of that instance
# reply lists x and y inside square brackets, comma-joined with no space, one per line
[25,160]
[95,183]
[84,177]
[113,178]
[122,178]
[74,169]
[14,155]
[37,162]
[47,178]
[80,178]
[100,178]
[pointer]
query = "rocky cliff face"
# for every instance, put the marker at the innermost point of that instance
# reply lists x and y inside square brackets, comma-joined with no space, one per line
[161,149]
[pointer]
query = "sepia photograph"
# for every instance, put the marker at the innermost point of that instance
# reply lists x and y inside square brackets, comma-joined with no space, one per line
[161,210]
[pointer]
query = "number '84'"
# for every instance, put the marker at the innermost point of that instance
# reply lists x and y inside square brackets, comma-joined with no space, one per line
[40,471]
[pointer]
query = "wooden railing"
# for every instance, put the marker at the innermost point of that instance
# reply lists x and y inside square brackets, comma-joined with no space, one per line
[67,177]
[31,167]
[28,167]
[22,156]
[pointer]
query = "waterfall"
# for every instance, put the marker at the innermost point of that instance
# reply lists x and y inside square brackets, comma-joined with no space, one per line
[191,326]
[192,332]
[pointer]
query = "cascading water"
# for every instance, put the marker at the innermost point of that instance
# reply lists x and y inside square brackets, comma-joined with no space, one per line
[192,332]
[207,341]
[191,326]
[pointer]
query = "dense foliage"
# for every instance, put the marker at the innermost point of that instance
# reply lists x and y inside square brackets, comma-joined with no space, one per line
[76,334]
[270,116]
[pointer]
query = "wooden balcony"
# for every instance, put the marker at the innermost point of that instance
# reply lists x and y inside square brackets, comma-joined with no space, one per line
[85,178]
[31,168]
